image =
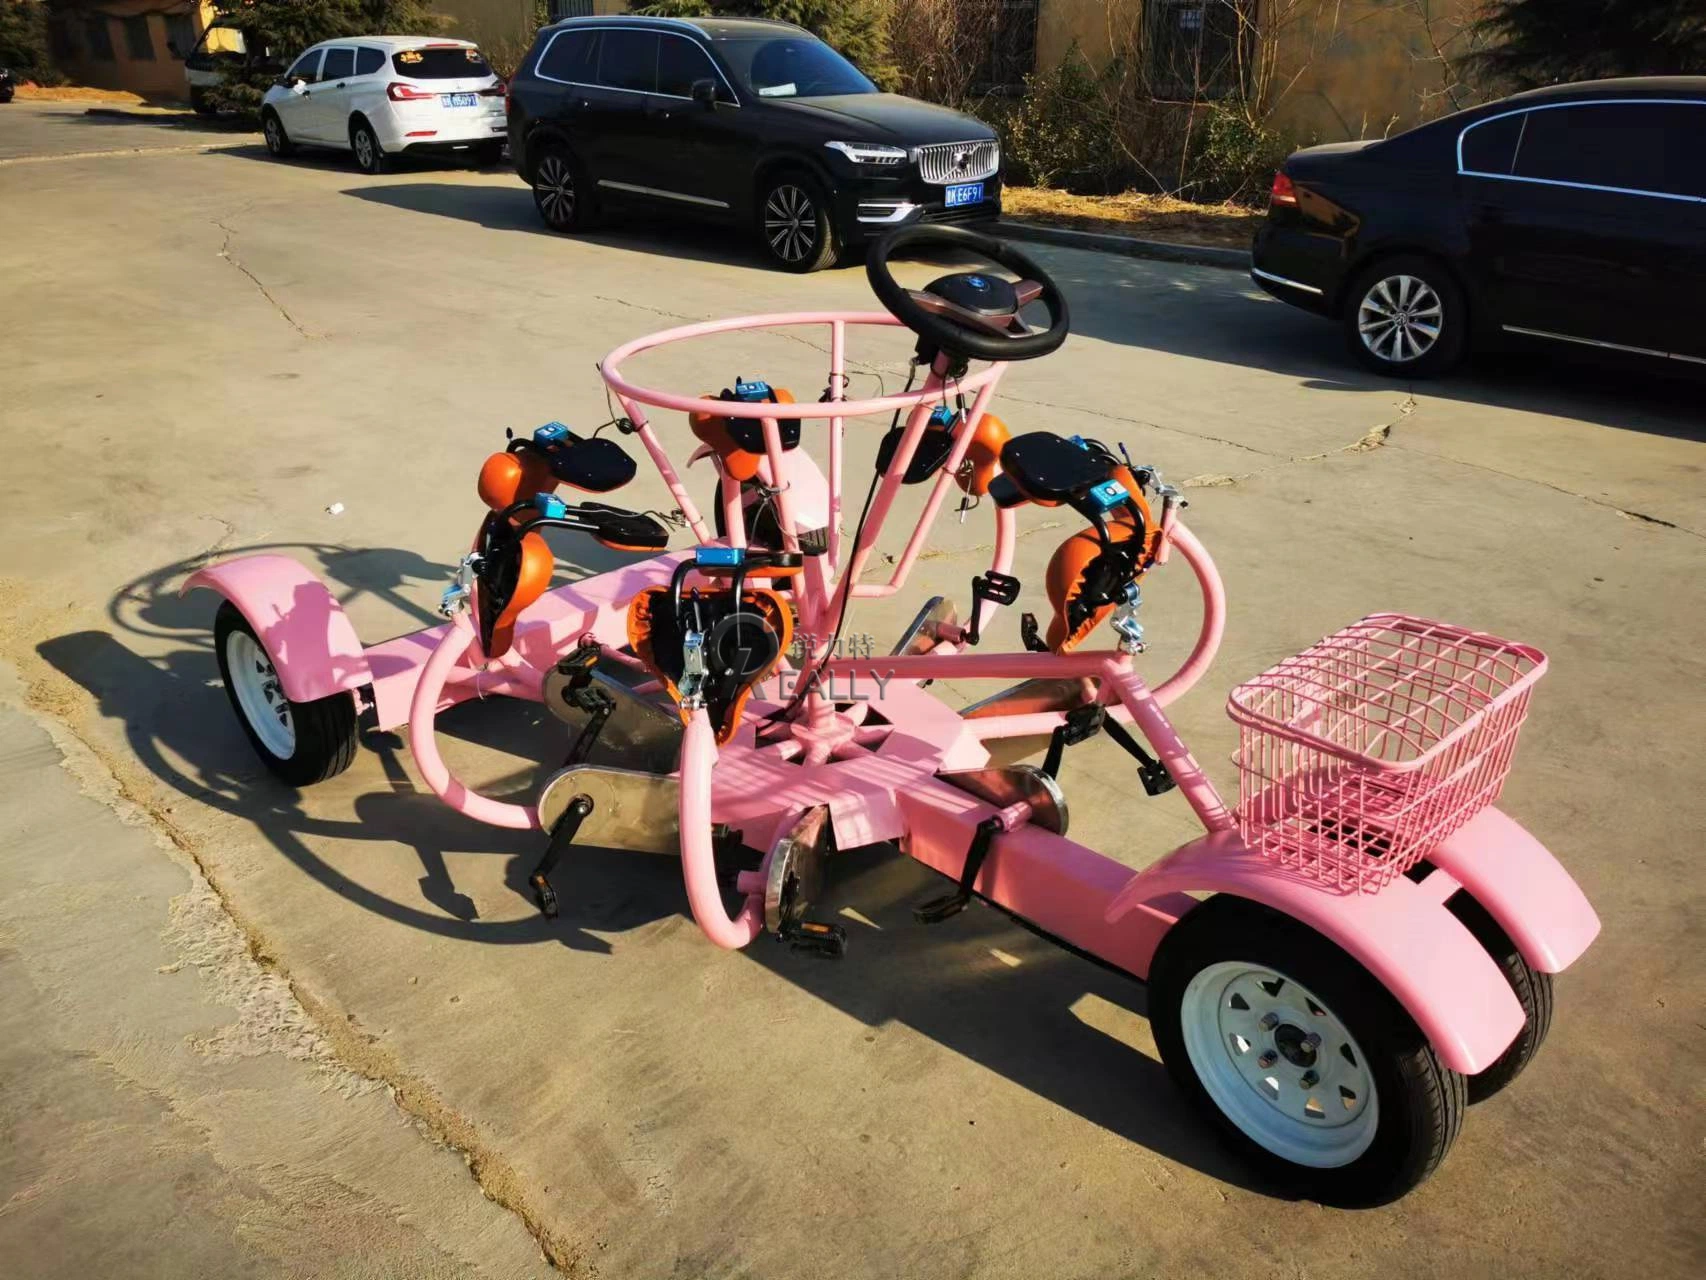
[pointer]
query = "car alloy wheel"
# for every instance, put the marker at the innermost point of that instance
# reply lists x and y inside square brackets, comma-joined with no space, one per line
[1399,318]
[554,188]
[364,149]
[275,135]
[790,223]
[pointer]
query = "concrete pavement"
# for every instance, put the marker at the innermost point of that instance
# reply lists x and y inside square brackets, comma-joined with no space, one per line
[219,347]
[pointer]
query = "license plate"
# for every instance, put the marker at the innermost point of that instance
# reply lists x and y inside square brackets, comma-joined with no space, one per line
[970,193]
[459,99]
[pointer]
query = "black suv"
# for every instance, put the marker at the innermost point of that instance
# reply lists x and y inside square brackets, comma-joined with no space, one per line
[746,121]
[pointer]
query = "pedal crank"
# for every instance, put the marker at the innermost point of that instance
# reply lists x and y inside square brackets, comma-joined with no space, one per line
[562,838]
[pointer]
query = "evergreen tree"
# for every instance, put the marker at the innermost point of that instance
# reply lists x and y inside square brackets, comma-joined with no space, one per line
[1528,43]
[23,40]
[286,27]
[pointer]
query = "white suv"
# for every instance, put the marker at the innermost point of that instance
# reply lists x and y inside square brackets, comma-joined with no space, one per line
[382,96]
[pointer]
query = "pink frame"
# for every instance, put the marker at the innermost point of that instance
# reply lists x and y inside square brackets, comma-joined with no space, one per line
[876,773]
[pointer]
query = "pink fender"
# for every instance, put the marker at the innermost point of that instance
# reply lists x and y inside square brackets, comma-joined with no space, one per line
[1522,886]
[1403,935]
[300,623]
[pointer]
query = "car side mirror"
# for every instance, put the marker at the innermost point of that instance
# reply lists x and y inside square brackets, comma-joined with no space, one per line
[705,92]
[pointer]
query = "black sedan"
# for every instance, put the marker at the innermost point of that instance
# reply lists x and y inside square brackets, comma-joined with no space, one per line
[1572,216]
[745,121]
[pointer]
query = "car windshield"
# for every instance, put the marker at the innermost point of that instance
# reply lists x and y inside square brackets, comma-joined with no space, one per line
[792,67]
[441,62]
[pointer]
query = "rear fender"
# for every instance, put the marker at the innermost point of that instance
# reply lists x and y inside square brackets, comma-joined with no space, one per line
[299,622]
[1522,886]
[1403,935]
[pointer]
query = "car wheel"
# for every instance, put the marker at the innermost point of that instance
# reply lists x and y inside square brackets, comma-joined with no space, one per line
[279,144]
[1405,317]
[199,103]
[369,155]
[301,742]
[796,225]
[1310,1069]
[560,190]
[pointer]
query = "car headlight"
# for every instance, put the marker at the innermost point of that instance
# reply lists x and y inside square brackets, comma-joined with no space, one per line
[869,152]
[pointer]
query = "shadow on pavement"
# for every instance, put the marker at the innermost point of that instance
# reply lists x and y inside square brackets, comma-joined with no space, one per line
[1209,314]
[1048,1020]
[510,208]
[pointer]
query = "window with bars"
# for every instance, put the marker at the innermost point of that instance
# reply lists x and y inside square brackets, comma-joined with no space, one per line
[98,38]
[1194,46]
[138,39]
[1013,48]
[561,9]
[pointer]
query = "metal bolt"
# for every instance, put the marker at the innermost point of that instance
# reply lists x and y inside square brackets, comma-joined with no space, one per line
[1309,1080]
[1311,1041]
[1267,1059]
[1270,1021]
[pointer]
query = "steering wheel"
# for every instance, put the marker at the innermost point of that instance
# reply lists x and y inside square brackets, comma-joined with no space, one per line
[968,314]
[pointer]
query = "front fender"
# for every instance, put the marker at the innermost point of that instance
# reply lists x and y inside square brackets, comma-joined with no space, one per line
[300,623]
[1403,935]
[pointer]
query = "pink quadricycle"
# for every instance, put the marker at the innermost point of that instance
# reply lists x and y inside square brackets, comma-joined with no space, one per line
[1376,943]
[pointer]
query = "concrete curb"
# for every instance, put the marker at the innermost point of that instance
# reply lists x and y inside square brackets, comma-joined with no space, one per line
[1106,242]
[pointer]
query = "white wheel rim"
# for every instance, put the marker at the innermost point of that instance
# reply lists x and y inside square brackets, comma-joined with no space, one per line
[790,223]
[262,700]
[1279,1065]
[364,148]
[272,134]
[1399,318]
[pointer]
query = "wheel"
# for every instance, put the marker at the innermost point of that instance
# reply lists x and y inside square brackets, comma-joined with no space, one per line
[1309,1068]
[1533,991]
[560,189]
[200,105]
[302,742]
[279,144]
[488,155]
[1405,316]
[369,155]
[796,224]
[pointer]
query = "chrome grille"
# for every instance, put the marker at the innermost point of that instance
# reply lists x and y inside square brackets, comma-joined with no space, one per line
[945,162]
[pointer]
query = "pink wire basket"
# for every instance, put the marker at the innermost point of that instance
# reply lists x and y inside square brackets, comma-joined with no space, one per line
[1363,752]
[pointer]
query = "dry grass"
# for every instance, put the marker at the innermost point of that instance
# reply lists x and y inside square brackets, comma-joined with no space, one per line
[1146,217]
[79,93]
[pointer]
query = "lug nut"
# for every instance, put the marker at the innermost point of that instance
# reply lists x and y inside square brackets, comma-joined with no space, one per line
[1270,1021]
[1267,1059]
[1309,1080]
[1311,1041]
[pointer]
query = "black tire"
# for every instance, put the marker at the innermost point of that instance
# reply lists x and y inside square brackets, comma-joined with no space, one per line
[796,223]
[200,105]
[1418,1104]
[1533,991]
[325,729]
[370,157]
[1389,309]
[561,190]
[279,145]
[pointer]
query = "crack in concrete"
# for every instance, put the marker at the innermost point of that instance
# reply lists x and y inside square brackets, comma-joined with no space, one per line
[235,261]
[1140,422]
[201,147]
[1636,517]
[1376,437]
[334,1041]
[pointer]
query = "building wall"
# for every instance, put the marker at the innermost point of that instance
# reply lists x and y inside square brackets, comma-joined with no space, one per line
[1362,67]
[78,52]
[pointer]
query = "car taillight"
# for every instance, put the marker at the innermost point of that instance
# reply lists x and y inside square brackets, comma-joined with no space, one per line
[1283,192]
[397,91]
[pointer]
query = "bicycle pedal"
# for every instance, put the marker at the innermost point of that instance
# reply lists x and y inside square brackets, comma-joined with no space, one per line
[1155,779]
[937,910]
[545,897]
[817,938]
